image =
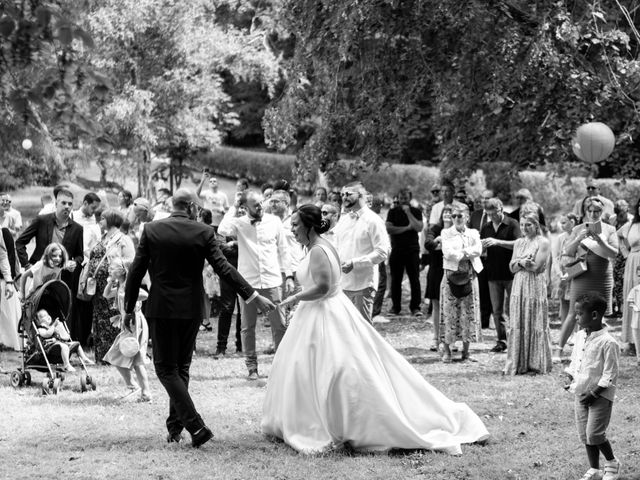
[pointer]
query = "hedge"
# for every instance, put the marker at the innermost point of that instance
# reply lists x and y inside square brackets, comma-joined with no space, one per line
[555,194]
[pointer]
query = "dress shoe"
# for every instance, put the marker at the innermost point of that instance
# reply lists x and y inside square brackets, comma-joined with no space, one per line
[174,438]
[253,375]
[219,353]
[499,347]
[201,437]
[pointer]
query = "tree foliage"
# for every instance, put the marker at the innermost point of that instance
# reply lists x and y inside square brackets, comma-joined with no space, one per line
[473,82]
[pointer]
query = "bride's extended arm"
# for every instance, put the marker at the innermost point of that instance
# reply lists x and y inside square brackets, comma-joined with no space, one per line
[320,269]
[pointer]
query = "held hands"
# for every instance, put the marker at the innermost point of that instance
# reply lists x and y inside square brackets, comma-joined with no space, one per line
[9,290]
[489,242]
[264,304]
[71,265]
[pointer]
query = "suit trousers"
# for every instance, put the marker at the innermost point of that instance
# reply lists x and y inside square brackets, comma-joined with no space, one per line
[485,299]
[173,342]
[399,261]
[228,301]
[382,289]
[249,320]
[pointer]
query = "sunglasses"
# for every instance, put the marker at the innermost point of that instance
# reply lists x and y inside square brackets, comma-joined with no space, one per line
[346,194]
[592,188]
[435,191]
[457,215]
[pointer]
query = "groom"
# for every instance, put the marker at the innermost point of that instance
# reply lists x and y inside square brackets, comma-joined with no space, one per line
[173,250]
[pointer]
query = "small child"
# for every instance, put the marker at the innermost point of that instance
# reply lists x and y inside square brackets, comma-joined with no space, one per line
[124,365]
[633,300]
[49,267]
[56,336]
[593,374]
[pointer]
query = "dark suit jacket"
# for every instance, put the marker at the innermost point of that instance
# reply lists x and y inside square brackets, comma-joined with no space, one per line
[174,250]
[42,229]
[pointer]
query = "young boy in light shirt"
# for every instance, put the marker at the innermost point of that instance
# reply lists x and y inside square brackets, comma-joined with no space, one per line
[593,374]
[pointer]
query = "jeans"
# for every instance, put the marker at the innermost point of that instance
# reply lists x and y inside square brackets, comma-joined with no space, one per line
[399,261]
[363,300]
[497,290]
[173,341]
[249,319]
[381,290]
[228,300]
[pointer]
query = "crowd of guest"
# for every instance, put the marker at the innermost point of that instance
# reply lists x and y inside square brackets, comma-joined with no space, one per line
[481,262]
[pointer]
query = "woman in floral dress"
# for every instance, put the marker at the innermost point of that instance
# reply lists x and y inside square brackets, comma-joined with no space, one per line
[114,244]
[529,344]
[460,315]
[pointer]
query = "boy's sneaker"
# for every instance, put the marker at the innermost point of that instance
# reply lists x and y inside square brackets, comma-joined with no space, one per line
[592,474]
[612,470]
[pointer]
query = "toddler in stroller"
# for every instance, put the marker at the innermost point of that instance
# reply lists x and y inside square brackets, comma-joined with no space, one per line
[56,339]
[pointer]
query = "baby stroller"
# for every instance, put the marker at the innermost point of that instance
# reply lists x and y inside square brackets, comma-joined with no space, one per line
[55,297]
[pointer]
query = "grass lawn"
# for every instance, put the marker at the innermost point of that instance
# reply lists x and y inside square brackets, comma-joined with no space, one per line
[103,435]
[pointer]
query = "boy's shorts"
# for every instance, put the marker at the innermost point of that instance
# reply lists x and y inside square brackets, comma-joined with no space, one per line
[592,421]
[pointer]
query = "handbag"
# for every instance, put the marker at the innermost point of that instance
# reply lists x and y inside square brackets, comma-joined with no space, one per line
[128,344]
[576,268]
[87,283]
[460,282]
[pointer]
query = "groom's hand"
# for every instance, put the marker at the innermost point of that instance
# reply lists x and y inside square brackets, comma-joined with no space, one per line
[128,321]
[264,304]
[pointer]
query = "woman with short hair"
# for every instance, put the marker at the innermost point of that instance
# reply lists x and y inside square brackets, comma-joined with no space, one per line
[459,292]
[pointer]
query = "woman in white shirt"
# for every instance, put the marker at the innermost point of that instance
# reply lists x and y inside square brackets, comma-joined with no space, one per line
[459,294]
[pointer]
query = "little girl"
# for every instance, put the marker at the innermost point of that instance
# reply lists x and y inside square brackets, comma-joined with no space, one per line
[124,364]
[49,267]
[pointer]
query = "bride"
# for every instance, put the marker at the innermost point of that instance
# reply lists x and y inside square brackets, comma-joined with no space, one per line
[336,381]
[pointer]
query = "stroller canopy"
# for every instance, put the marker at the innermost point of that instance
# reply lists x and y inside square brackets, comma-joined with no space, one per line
[53,296]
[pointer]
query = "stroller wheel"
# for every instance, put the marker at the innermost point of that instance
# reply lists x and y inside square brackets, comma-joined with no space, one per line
[83,383]
[55,388]
[27,378]
[16,379]
[91,381]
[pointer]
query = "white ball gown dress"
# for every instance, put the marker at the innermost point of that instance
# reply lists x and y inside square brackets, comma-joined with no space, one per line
[335,380]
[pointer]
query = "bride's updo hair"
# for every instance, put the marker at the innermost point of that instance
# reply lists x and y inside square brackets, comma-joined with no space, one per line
[311,217]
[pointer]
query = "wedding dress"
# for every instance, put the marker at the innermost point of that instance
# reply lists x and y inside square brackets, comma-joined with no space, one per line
[335,380]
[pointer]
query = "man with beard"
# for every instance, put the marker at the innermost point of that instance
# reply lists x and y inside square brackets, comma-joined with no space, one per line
[403,224]
[55,227]
[173,250]
[362,243]
[262,257]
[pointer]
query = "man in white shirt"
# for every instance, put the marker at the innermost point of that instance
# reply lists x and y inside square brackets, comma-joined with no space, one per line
[6,220]
[262,256]
[362,243]
[86,217]
[214,200]
[12,212]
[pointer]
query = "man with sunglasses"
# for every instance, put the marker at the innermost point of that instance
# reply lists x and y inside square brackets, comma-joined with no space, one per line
[362,243]
[403,224]
[593,191]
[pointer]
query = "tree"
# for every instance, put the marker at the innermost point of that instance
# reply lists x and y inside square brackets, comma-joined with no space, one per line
[41,72]
[477,81]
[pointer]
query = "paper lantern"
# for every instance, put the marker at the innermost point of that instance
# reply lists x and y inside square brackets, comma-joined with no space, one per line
[27,144]
[594,142]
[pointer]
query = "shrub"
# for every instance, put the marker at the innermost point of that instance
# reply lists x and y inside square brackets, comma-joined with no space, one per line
[259,167]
